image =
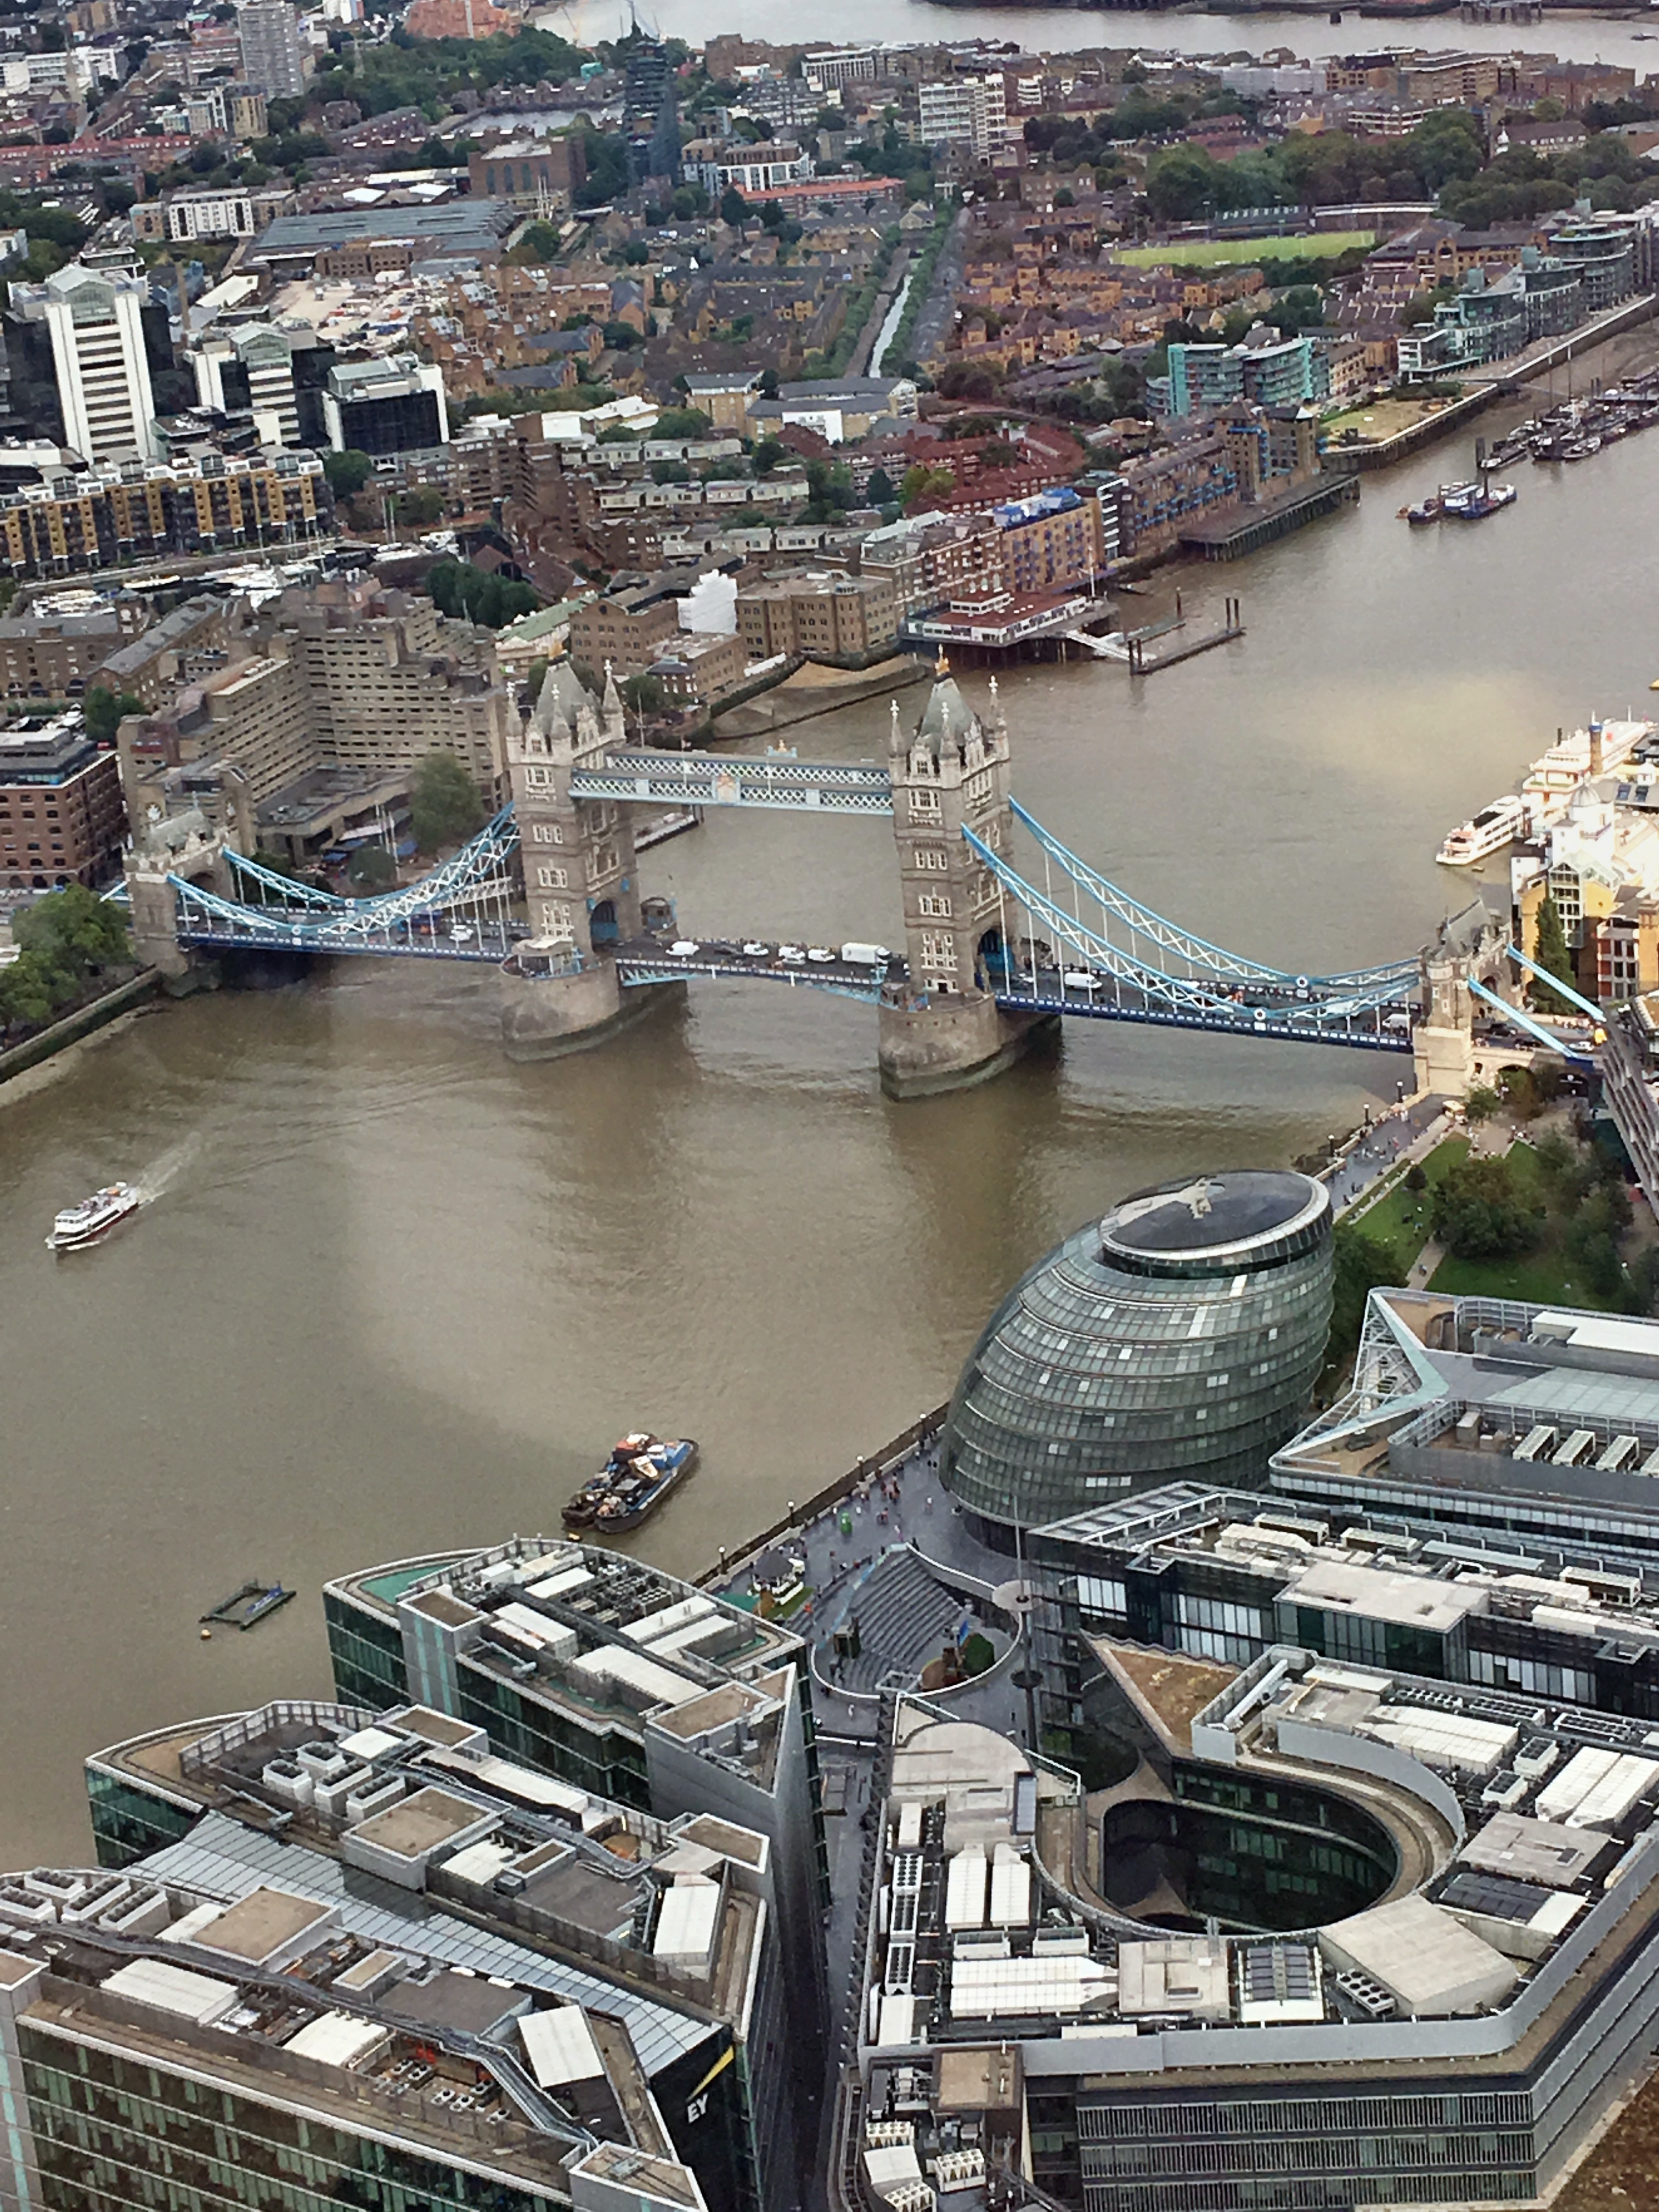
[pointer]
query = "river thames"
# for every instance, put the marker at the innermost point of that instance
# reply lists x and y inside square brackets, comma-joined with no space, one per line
[393,1293]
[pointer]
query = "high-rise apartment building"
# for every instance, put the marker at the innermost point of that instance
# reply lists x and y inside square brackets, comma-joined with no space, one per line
[969,111]
[92,321]
[273,54]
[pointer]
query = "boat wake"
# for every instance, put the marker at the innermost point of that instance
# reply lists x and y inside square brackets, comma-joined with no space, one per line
[156,1180]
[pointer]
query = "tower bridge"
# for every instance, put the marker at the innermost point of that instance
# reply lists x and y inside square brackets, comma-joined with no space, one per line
[997,950]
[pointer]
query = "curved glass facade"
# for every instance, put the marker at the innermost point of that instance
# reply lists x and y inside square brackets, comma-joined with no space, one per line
[1177,1339]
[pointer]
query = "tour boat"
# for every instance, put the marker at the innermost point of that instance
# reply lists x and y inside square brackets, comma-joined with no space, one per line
[632,1484]
[95,1217]
[1491,828]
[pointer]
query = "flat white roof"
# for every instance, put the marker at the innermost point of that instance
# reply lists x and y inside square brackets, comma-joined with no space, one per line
[1383,1593]
[559,2047]
[986,1989]
[167,1988]
[337,2038]
[685,1926]
[612,1663]
[369,1744]
[1600,1331]
[1424,1957]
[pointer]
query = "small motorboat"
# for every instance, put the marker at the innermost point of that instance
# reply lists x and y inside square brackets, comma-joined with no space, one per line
[93,1217]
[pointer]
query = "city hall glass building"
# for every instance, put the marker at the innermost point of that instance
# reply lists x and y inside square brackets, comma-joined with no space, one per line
[1178,1337]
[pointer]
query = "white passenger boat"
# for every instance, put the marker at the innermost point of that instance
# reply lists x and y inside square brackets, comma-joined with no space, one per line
[93,1217]
[1488,832]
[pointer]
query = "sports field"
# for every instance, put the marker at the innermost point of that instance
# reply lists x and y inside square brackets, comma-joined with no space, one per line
[1194,252]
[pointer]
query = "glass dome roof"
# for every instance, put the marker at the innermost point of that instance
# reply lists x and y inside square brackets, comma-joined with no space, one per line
[1178,1338]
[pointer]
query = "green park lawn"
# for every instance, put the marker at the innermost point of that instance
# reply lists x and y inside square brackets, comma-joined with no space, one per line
[1401,1220]
[1199,253]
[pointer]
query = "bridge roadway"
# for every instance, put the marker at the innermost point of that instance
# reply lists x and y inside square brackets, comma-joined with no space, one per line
[1275,1015]
[774,780]
[486,942]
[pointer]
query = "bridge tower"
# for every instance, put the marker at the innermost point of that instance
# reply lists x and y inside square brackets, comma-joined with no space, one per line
[186,846]
[580,880]
[952,773]
[581,886]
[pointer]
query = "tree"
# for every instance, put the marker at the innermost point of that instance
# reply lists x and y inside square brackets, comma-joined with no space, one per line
[922,483]
[445,807]
[1481,1104]
[683,423]
[347,472]
[1361,1264]
[1065,198]
[880,490]
[372,868]
[103,710]
[1551,952]
[470,594]
[644,694]
[734,208]
[1478,1213]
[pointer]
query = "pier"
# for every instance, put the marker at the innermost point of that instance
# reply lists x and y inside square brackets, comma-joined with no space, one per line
[1232,626]
[1229,537]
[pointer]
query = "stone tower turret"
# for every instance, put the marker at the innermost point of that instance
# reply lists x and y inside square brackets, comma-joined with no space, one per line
[580,881]
[951,773]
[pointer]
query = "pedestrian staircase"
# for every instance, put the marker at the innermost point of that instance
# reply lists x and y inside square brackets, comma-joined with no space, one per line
[903,1617]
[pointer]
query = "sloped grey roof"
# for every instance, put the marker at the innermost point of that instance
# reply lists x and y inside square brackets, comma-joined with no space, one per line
[947,718]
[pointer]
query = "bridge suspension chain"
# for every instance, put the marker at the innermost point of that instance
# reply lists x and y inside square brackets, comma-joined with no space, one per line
[1198,954]
[1316,1010]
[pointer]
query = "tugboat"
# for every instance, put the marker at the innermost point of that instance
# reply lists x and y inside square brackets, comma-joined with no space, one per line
[1480,500]
[633,1483]
[94,1218]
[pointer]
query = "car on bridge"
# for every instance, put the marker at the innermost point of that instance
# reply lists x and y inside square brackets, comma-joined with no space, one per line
[792,955]
[819,953]
[754,950]
[683,947]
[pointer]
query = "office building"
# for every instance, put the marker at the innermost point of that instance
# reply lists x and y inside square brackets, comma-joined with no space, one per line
[249,369]
[274,55]
[61,818]
[1495,1414]
[1410,1981]
[1179,1337]
[965,111]
[84,328]
[337,677]
[513,1891]
[393,404]
[598,1670]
